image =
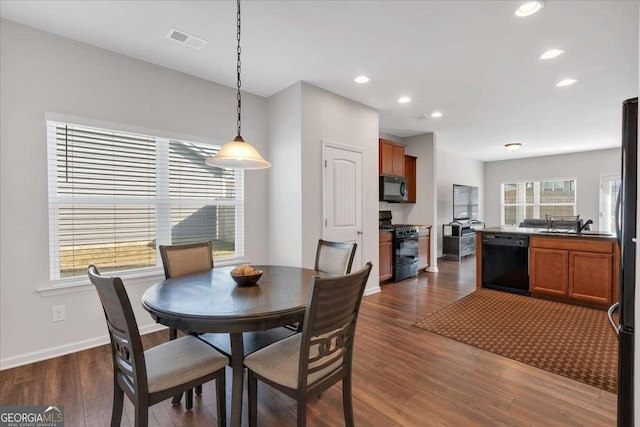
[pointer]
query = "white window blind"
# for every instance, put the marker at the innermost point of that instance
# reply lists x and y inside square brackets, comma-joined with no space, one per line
[115,196]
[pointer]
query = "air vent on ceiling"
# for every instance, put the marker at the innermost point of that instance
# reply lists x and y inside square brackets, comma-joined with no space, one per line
[421,117]
[186,38]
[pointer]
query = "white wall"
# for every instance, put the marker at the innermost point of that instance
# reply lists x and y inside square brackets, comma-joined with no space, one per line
[330,117]
[41,72]
[586,167]
[285,177]
[454,168]
[424,211]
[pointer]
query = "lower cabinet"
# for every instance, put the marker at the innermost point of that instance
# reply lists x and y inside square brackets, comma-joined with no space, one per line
[590,277]
[548,271]
[386,253]
[574,269]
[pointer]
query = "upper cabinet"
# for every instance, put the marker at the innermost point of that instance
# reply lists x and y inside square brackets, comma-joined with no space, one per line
[391,158]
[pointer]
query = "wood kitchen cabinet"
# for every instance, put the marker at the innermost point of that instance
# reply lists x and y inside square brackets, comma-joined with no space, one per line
[579,270]
[385,254]
[424,247]
[548,271]
[410,163]
[391,159]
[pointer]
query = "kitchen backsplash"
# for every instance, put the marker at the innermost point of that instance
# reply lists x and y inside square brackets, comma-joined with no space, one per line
[397,211]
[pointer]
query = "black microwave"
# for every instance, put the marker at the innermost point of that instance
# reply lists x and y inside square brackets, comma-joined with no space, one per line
[393,189]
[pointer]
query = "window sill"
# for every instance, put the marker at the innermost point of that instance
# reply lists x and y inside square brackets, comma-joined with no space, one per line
[82,284]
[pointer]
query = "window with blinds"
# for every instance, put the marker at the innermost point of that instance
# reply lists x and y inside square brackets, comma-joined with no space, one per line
[536,199]
[114,197]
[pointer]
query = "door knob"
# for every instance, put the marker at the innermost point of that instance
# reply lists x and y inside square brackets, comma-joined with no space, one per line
[360,232]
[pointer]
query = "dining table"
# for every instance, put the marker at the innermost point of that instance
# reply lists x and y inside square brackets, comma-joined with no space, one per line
[212,302]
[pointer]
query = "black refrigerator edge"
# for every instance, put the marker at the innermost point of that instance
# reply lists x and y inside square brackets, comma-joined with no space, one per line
[626,234]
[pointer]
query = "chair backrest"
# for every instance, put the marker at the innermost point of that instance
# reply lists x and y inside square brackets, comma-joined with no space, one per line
[179,260]
[329,326]
[126,345]
[335,257]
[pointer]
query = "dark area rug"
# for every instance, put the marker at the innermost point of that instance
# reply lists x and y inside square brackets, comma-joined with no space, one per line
[571,341]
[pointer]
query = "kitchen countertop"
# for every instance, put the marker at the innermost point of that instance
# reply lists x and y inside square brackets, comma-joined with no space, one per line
[544,233]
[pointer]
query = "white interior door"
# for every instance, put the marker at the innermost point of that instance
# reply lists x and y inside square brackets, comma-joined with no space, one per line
[342,196]
[609,187]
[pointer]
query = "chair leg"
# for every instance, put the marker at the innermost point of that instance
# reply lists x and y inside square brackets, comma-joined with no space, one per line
[302,411]
[173,334]
[116,410]
[347,401]
[142,415]
[221,398]
[189,400]
[252,392]
[199,390]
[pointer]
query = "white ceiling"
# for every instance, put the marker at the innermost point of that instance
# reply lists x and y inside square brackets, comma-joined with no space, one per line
[473,60]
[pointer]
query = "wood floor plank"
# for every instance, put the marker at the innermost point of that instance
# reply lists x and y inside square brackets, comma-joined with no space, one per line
[403,376]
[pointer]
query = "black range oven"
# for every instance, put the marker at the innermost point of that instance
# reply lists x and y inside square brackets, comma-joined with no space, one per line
[405,252]
[405,247]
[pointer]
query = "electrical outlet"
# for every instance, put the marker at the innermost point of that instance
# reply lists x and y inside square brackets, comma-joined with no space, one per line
[58,313]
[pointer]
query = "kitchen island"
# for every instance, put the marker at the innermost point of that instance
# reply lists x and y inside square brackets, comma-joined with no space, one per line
[578,268]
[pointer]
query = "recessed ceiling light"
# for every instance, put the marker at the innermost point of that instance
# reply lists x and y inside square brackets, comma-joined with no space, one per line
[513,146]
[404,99]
[361,79]
[436,114]
[566,82]
[551,53]
[529,8]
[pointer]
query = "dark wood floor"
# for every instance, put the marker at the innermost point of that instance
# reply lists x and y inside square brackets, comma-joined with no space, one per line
[403,376]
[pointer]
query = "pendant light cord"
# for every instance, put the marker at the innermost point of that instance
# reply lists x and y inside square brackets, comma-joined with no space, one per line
[238,69]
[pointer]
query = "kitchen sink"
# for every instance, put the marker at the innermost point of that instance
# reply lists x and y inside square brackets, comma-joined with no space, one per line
[585,233]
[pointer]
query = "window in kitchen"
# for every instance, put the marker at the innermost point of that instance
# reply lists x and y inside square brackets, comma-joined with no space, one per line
[609,188]
[536,199]
[115,196]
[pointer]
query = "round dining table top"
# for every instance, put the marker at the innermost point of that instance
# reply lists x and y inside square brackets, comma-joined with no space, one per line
[211,301]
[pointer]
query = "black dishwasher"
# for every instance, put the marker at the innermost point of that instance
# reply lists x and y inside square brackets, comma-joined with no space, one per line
[505,262]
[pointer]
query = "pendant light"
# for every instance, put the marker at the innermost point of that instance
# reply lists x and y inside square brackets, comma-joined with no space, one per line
[238,154]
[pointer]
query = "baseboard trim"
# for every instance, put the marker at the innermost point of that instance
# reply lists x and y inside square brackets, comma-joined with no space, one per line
[61,350]
[371,291]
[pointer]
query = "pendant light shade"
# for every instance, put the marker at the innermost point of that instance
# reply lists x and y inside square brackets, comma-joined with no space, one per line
[238,154]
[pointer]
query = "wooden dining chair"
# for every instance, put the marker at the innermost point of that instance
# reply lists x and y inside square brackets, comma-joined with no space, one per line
[334,257]
[180,260]
[306,364]
[151,376]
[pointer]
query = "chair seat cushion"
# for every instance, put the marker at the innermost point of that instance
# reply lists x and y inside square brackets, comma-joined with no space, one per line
[180,361]
[279,362]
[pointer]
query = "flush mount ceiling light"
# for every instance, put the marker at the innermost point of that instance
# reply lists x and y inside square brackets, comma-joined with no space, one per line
[529,8]
[238,154]
[551,53]
[513,146]
[566,82]
[404,99]
[361,79]
[436,114]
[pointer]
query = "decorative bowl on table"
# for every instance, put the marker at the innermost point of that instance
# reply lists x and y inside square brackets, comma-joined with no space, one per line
[245,275]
